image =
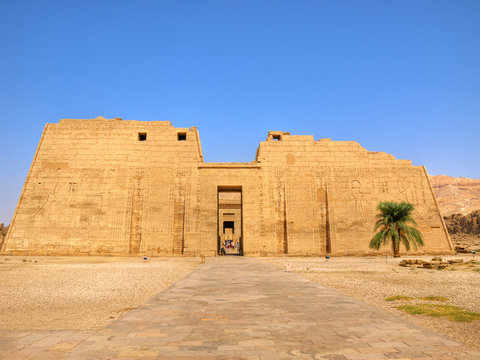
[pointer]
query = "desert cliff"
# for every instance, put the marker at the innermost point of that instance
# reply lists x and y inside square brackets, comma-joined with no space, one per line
[459,202]
[456,195]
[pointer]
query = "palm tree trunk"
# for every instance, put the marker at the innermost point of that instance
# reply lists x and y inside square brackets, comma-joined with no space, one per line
[395,248]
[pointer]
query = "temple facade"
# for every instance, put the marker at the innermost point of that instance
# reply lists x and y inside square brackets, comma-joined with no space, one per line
[125,187]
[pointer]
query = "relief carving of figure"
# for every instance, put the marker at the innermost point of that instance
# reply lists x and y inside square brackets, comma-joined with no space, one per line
[359,203]
[405,193]
[47,201]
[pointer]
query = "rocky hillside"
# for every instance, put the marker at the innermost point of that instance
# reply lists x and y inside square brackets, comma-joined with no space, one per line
[464,230]
[3,233]
[456,195]
[459,202]
[463,224]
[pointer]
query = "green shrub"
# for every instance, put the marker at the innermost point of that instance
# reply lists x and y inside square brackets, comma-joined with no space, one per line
[452,313]
[433,298]
[398,297]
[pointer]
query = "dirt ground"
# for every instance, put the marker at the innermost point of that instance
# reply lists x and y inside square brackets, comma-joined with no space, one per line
[87,293]
[80,293]
[373,279]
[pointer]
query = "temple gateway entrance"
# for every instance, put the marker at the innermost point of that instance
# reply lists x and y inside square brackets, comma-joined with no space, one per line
[230,225]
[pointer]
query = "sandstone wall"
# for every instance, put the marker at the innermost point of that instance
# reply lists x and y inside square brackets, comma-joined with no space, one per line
[95,188]
[332,189]
[100,187]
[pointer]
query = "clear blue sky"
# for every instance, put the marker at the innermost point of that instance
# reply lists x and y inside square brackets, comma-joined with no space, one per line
[396,76]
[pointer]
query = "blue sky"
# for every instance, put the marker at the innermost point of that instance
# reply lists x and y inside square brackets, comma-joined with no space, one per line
[396,76]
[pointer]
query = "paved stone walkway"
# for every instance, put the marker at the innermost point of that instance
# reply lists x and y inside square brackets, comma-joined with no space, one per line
[243,308]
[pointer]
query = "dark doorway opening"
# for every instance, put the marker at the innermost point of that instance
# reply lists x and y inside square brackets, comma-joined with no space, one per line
[229,222]
[229,225]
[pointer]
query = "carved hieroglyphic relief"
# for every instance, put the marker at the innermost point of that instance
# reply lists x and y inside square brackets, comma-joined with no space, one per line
[95,188]
[359,200]
[136,214]
[277,193]
[46,201]
[180,190]
[261,194]
[321,214]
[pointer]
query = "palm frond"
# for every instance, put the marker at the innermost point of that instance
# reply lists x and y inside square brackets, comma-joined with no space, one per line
[393,221]
[379,223]
[415,236]
[377,240]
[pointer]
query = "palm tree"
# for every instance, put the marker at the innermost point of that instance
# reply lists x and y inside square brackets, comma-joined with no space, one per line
[393,222]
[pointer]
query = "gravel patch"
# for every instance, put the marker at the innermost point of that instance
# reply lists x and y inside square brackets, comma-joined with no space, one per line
[80,293]
[372,279]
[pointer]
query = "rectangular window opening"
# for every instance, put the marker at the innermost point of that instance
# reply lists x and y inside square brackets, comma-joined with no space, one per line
[277,137]
[142,136]
[181,136]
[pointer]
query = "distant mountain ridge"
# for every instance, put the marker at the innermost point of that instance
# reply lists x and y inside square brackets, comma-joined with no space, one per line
[459,202]
[456,195]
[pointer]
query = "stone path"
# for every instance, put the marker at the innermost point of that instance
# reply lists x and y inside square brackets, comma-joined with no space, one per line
[243,308]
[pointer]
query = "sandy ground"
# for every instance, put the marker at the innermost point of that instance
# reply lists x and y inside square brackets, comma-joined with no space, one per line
[80,293]
[87,293]
[373,279]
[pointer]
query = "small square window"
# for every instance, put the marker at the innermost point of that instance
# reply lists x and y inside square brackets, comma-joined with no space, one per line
[182,136]
[142,136]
